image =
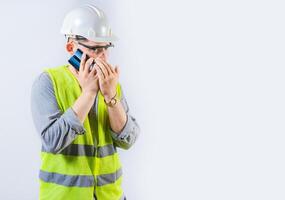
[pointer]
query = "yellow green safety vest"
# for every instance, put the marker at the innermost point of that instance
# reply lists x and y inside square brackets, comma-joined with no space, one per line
[90,164]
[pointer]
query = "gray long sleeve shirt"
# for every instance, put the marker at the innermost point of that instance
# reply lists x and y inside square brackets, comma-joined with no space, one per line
[58,130]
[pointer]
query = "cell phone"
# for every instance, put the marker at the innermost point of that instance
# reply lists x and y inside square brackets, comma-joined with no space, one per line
[75,59]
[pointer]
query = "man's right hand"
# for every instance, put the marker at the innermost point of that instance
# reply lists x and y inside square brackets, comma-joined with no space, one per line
[88,80]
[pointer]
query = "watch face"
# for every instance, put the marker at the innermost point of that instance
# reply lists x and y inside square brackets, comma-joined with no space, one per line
[113,101]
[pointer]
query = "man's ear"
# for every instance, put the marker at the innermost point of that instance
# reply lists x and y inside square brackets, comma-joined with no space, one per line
[70,47]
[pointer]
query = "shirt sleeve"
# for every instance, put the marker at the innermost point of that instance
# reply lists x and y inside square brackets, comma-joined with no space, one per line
[56,129]
[129,134]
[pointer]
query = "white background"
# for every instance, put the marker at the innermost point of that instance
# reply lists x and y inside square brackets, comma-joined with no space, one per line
[204,79]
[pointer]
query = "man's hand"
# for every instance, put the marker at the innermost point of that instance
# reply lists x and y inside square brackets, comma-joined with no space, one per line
[89,83]
[88,80]
[108,78]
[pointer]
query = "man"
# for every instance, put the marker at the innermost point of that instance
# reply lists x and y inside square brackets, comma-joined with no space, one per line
[82,116]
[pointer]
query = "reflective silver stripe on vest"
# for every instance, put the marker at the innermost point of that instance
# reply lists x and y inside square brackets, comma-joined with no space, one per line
[105,179]
[67,180]
[86,150]
[106,150]
[75,150]
[78,150]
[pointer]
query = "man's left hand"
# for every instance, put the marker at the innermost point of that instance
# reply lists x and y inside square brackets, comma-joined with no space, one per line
[108,78]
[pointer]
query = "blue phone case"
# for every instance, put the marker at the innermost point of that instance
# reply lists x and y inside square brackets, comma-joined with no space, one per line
[76,59]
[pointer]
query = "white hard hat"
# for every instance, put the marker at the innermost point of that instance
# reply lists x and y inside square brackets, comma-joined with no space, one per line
[88,21]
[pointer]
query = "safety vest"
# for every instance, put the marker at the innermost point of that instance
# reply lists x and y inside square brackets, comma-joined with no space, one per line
[90,164]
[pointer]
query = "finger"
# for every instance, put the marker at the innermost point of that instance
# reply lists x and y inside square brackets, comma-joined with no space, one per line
[101,68]
[93,71]
[99,72]
[91,66]
[87,65]
[111,68]
[105,64]
[82,62]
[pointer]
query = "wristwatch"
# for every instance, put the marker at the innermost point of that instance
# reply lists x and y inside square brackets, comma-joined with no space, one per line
[112,102]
